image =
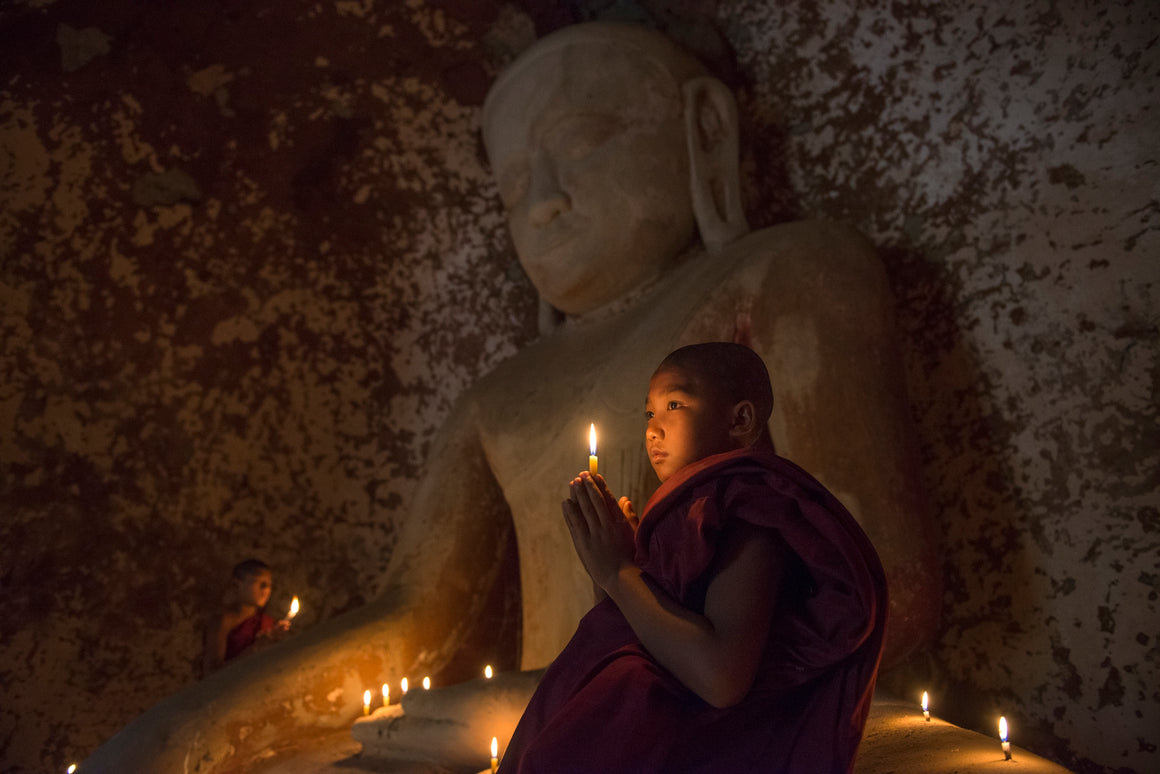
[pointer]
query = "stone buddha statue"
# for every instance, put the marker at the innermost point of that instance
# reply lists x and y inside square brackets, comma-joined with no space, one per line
[616,156]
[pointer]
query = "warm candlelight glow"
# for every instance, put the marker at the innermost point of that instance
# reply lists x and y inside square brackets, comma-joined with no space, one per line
[367,701]
[73,767]
[426,683]
[592,449]
[925,705]
[293,608]
[386,694]
[487,672]
[1003,738]
[494,754]
[403,685]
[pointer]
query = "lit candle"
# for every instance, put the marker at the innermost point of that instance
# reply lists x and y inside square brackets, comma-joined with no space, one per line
[1003,738]
[386,694]
[487,672]
[293,609]
[592,449]
[926,706]
[494,754]
[426,683]
[73,767]
[403,685]
[367,701]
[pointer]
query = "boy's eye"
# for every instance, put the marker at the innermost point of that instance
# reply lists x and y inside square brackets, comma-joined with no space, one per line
[648,415]
[673,404]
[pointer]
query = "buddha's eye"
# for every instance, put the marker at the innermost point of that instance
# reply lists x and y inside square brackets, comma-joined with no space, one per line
[578,136]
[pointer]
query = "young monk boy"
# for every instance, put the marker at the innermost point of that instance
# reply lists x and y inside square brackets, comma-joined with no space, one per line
[745,609]
[242,621]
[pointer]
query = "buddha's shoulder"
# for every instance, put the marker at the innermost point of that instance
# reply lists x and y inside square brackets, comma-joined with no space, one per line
[816,244]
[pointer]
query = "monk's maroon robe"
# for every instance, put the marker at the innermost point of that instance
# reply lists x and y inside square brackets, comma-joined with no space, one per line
[605,705]
[243,635]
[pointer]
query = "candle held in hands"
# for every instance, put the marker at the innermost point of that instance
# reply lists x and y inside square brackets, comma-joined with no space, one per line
[592,449]
[494,754]
[293,609]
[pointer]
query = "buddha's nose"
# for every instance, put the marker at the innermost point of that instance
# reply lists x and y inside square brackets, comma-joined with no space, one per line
[546,199]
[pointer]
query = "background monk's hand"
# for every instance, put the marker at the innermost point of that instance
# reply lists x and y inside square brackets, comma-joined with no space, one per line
[601,529]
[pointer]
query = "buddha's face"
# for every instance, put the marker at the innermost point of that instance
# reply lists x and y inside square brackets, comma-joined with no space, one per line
[588,147]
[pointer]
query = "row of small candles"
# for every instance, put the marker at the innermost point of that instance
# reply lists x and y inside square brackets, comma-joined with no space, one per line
[488,672]
[1003,743]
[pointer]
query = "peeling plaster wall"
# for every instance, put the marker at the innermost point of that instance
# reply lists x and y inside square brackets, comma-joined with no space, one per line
[249,255]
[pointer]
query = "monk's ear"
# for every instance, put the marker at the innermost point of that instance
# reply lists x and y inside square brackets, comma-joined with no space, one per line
[711,133]
[743,424]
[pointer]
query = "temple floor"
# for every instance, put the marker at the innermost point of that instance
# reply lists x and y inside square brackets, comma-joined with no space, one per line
[897,741]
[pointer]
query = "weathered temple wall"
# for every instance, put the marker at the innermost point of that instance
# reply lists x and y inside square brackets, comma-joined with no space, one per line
[251,253]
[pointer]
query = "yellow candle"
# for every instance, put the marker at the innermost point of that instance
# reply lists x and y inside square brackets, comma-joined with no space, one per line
[293,609]
[426,683]
[592,449]
[367,701]
[494,754]
[386,694]
[403,685]
[1003,738]
[926,706]
[487,672]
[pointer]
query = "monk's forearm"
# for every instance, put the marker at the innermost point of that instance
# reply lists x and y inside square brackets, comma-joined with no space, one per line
[684,642]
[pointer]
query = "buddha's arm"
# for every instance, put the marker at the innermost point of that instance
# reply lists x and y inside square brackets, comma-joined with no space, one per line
[826,329]
[437,581]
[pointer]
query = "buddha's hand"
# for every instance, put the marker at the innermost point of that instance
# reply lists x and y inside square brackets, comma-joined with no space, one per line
[601,529]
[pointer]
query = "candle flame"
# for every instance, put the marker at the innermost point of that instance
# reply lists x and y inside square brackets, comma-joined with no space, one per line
[1002,729]
[386,694]
[404,686]
[494,747]
[426,683]
[592,439]
[293,608]
[487,672]
[73,767]
[925,701]
[367,697]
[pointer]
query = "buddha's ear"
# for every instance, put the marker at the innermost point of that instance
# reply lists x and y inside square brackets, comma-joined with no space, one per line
[711,132]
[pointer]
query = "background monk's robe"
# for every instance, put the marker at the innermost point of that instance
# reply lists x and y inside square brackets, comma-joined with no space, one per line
[243,635]
[606,705]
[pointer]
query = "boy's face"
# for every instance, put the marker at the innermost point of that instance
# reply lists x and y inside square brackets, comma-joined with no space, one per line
[255,590]
[686,421]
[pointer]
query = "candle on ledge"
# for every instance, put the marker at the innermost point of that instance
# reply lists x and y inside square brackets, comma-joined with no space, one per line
[386,694]
[494,754]
[403,685]
[926,706]
[592,449]
[1003,738]
[487,672]
[293,609]
[367,701]
[426,683]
